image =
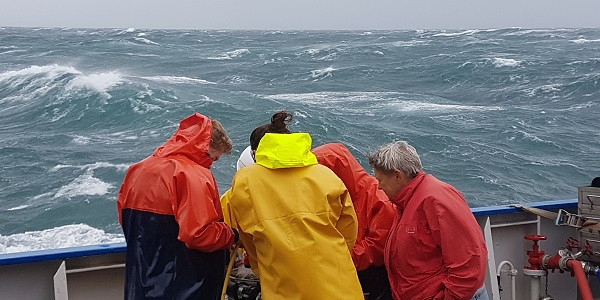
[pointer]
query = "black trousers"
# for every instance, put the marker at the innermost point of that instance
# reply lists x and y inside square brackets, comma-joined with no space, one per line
[375,283]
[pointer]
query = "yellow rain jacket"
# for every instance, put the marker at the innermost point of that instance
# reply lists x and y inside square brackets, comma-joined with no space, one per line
[296,222]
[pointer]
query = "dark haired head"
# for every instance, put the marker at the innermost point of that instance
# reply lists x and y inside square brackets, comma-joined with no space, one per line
[596,182]
[279,123]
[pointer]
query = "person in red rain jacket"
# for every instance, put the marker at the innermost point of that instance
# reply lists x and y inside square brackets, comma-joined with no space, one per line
[171,216]
[375,215]
[436,248]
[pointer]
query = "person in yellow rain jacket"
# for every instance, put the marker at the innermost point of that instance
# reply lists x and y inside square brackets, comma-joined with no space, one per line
[296,222]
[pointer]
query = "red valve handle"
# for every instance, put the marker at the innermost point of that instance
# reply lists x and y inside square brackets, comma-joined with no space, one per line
[535,237]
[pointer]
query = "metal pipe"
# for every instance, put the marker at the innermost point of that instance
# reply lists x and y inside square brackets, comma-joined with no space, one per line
[98,268]
[536,283]
[512,272]
[513,224]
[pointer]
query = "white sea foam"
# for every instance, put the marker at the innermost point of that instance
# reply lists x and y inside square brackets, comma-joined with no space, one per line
[75,235]
[81,140]
[18,207]
[410,43]
[544,89]
[100,83]
[378,100]
[466,32]
[330,56]
[142,54]
[178,80]
[313,51]
[505,62]
[418,106]
[145,41]
[128,30]
[584,41]
[86,183]
[34,81]
[322,73]
[232,54]
[12,51]
[38,80]
[94,166]
[50,72]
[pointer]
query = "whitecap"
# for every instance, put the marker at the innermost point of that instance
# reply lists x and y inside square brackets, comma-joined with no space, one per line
[128,30]
[584,41]
[312,51]
[322,73]
[18,207]
[52,72]
[378,100]
[410,43]
[75,235]
[544,89]
[86,184]
[330,56]
[94,166]
[232,54]
[505,62]
[81,140]
[178,80]
[100,83]
[237,53]
[466,32]
[145,41]
[419,106]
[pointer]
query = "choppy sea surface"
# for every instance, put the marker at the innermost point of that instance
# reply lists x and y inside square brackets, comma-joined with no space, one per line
[505,115]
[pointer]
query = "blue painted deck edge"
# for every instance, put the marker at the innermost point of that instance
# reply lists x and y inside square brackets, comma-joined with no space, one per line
[61,253]
[73,252]
[508,209]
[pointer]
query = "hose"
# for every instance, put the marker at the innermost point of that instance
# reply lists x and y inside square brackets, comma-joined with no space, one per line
[229,268]
[584,286]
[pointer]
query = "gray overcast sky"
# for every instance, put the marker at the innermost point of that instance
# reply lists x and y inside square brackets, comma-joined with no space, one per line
[301,14]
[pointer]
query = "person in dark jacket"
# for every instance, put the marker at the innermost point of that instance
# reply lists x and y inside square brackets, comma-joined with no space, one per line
[171,216]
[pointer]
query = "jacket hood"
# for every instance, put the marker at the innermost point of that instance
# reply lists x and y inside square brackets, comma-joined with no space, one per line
[285,150]
[339,159]
[192,140]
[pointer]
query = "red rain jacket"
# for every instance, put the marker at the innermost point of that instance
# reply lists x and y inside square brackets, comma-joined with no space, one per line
[374,211]
[171,216]
[436,248]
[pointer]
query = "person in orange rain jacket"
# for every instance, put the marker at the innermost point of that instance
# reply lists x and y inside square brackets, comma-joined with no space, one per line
[375,214]
[169,209]
[436,248]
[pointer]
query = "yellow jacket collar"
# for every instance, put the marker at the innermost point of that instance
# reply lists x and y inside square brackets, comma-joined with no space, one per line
[285,150]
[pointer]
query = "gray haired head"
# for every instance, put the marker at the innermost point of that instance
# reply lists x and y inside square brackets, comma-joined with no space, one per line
[396,156]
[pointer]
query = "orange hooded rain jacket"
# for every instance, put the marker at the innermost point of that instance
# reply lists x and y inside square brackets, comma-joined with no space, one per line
[172,220]
[374,211]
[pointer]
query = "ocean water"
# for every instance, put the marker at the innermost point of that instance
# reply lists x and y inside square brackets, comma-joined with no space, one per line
[506,115]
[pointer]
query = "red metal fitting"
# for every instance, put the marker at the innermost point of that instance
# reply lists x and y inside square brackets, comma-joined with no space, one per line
[535,256]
